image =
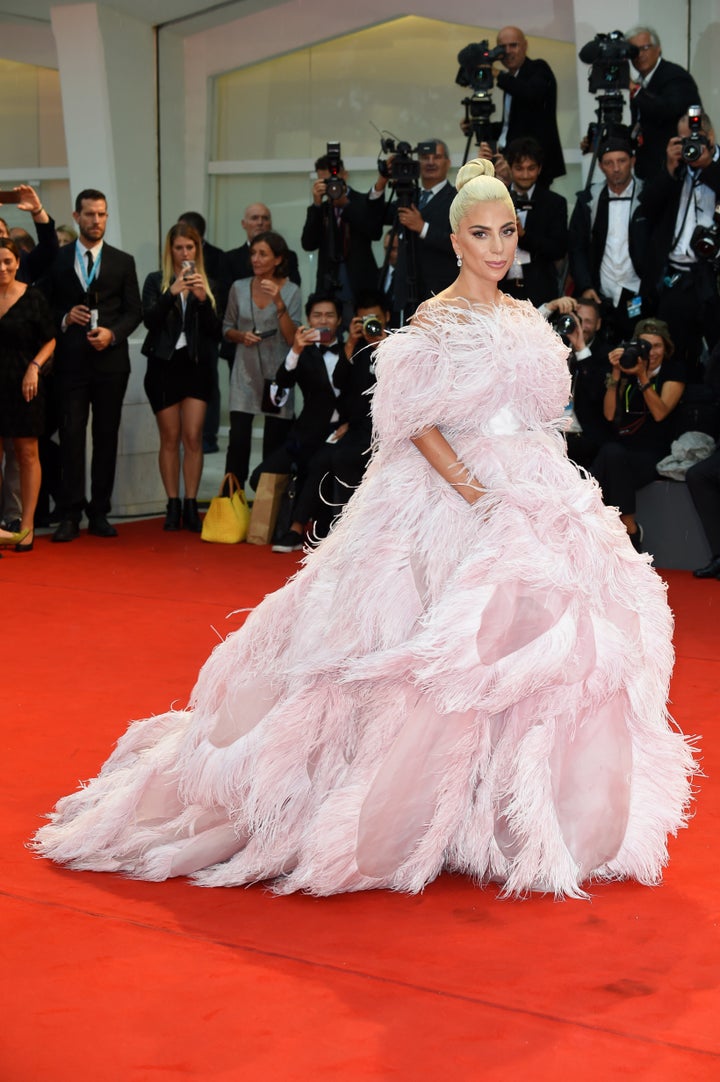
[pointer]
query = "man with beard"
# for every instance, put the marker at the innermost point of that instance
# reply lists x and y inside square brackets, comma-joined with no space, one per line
[93,290]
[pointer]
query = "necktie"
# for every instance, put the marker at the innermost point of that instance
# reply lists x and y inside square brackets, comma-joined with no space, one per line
[424,198]
[90,262]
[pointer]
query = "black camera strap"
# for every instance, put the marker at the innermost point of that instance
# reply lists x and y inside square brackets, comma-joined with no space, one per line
[690,199]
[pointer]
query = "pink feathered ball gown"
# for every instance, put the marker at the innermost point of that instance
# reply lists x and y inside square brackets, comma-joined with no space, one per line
[441,686]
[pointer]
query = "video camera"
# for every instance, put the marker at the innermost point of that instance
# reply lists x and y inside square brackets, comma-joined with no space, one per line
[402,170]
[335,186]
[608,55]
[476,61]
[694,143]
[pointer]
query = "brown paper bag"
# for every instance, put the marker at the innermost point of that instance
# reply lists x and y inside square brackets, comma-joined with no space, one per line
[265,508]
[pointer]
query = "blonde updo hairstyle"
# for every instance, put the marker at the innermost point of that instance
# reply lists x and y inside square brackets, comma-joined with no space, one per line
[476,183]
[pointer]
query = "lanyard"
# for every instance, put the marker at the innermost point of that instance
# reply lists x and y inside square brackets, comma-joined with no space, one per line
[88,279]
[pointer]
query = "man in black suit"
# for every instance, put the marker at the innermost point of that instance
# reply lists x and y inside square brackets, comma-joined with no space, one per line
[542,227]
[683,286]
[235,264]
[589,365]
[341,231]
[309,365]
[93,291]
[606,251]
[662,95]
[336,468]
[425,254]
[530,102]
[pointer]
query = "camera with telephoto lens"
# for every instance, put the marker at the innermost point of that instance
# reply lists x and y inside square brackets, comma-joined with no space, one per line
[634,351]
[335,186]
[372,327]
[694,143]
[705,241]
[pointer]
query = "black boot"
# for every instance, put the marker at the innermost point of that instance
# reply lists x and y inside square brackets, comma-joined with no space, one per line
[172,514]
[191,518]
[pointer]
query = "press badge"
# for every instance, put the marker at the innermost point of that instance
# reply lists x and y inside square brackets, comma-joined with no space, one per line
[634,307]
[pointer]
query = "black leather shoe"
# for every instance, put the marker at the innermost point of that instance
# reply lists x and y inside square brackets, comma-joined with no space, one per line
[712,571]
[172,514]
[190,516]
[68,530]
[99,526]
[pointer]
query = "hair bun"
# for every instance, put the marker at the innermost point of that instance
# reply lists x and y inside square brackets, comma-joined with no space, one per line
[478,167]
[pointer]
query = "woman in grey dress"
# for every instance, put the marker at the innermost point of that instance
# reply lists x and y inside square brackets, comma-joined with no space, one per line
[261,318]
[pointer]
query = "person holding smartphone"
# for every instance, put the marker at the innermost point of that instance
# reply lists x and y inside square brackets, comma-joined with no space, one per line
[183,326]
[261,317]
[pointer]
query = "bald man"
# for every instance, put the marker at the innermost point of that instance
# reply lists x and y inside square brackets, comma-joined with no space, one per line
[530,101]
[236,263]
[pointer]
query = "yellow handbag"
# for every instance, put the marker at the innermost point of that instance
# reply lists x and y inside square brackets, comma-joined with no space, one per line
[228,515]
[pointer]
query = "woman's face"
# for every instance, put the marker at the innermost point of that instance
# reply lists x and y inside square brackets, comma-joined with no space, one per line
[263,259]
[486,240]
[182,248]
[657,350]
[8,267]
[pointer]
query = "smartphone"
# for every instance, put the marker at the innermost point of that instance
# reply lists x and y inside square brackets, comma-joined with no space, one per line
[265,334]
[326,336]
[11,197]
[188,267]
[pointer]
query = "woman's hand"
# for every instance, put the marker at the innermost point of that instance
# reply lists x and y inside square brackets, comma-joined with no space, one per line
[270,288]
[30,382]
[242,338]
[195,284]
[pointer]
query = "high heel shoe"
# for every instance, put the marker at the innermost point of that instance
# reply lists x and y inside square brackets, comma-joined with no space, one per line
[26,546]
[8,540]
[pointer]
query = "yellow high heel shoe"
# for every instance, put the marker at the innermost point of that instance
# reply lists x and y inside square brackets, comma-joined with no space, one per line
[8,540]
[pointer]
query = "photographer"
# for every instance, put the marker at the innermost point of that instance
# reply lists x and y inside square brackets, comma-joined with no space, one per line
[341,230]
[530,101]
[662,94]
[676,203]
[589,367]
[337,467]
[644,387]
[426,225]
[604,246]
[541,225]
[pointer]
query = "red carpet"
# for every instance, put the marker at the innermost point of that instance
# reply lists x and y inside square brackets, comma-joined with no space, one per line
[107,980]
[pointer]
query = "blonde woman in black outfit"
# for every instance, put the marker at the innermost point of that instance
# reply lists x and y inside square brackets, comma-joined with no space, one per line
[183,330]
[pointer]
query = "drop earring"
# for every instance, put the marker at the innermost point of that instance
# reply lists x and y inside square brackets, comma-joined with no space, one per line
[459,261]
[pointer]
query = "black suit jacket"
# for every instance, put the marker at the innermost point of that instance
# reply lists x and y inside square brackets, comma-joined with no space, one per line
[312,427]
[351,243]
[657,111]
[435,261]
[589,392]
[36,263]
[533,112]
[164,318]
[657,217]
[587,236]
[117,299]
[212,259]
[545,238]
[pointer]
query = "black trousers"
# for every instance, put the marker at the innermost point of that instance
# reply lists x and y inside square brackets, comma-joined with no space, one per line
[237,460]
[333,474]
[620,472]
[703,481]
[78,392]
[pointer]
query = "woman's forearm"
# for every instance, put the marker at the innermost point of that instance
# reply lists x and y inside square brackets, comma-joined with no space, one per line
[433,446]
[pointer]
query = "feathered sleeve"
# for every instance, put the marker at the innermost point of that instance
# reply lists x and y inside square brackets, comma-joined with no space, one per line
[414,373]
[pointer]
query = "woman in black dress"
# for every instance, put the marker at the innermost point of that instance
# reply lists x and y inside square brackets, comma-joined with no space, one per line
[27,341]
[183,331]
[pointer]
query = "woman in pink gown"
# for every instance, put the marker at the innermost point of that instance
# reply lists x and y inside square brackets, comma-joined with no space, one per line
[470,673]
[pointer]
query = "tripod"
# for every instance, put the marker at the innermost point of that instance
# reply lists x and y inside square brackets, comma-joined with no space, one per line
[478,110]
